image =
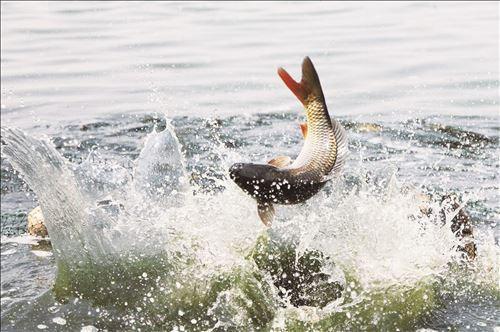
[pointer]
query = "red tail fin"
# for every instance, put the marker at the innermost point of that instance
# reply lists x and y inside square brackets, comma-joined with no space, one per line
[309,84]
[297,89]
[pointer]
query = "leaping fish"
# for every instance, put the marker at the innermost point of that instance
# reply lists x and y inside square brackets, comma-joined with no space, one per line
[322,157]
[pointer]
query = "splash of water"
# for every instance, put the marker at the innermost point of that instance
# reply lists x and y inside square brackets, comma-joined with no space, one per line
[143,242]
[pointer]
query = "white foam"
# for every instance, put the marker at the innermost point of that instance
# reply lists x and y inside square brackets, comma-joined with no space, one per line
[59,320]
[42,253]
[21,239]
[8,252]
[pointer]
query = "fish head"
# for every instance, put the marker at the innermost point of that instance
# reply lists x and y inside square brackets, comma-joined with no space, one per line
[254,179]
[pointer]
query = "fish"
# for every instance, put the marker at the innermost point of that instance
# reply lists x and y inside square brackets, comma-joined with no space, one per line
[322,157]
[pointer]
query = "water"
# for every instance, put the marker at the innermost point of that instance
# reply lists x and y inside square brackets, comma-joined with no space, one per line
[73,62]
[147,232]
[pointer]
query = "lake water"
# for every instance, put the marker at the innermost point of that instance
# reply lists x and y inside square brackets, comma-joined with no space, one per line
[76,61]
[416,84]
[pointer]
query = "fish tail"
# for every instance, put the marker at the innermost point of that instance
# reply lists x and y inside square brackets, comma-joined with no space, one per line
[308,85]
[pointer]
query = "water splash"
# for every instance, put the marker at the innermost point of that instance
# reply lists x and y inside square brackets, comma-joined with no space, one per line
[159,173]
[64,206]
[150,246]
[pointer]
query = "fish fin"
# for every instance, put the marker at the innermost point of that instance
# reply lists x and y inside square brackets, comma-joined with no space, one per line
[280,161]
[303,128]
[293,85]
[342,149]
[310,80]
[266,213]
[309,84]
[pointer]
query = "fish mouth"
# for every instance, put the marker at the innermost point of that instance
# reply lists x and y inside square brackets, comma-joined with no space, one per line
[234,171]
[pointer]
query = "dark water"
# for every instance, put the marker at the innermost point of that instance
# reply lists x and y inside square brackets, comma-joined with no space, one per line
[415,85]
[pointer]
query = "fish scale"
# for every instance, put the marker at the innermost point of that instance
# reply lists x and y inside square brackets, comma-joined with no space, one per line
[320,150]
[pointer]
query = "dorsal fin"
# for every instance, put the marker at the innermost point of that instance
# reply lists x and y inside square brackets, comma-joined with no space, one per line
[309,84]
[280,161]
[303,128]
[266,213]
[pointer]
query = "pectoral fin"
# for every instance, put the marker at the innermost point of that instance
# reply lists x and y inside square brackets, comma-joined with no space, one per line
[303,128]
[266,213]
[280,161]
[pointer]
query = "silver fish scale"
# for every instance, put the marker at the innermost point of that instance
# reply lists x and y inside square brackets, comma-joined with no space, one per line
[319,153]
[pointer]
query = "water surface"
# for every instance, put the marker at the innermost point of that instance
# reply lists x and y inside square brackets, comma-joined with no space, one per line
[415,85]
[75,61]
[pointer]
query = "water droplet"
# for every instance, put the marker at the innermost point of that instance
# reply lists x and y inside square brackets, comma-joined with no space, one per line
[59,320]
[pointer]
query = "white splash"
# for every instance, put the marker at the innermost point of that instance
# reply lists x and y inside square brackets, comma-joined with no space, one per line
[379,236]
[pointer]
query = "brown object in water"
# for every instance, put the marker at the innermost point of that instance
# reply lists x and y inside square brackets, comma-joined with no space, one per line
[36,223]
[460,224]
[368,127]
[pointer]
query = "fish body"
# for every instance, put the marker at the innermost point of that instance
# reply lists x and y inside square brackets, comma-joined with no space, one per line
[270,184]
[282,181]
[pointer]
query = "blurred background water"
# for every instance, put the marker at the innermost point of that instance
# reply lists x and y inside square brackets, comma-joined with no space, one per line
[78,60]
[416,84]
